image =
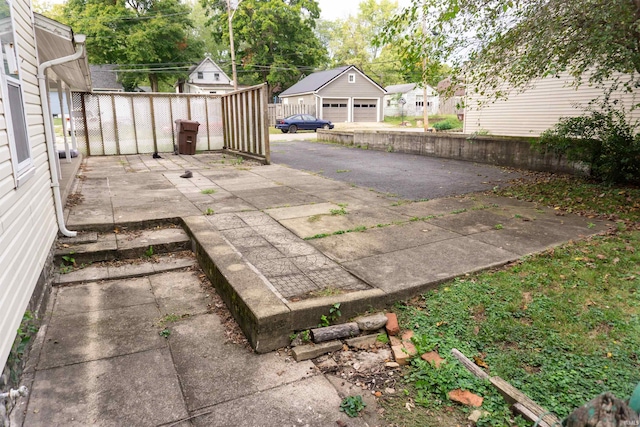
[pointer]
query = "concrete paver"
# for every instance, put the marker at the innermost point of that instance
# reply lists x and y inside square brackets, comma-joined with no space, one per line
[139,389]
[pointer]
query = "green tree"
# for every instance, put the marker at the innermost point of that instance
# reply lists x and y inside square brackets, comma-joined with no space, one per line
[152,38]
[274,39]
[516,41]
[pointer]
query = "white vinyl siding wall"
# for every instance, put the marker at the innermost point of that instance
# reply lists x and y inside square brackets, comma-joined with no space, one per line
[27,217]
[533,111]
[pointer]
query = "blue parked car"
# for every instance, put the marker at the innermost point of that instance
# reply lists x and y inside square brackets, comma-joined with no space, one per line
[302,122]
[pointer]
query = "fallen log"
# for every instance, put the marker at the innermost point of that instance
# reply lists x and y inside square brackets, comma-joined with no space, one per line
[335,332]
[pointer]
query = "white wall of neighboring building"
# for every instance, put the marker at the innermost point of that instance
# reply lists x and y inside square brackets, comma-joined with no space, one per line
[27,217]
[207,77]
[414,103]
[535,110]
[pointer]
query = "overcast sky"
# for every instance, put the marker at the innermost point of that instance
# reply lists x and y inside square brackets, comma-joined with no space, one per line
[333,9]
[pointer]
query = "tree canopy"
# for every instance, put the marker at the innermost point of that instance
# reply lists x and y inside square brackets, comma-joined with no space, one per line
[151,36]
[274,39]
[499,44]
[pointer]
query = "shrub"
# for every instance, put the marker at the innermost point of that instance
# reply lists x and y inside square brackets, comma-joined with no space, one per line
[443,125]
[604,140]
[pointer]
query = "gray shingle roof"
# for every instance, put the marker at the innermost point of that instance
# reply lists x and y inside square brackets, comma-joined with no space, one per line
[104,77]
[314,81]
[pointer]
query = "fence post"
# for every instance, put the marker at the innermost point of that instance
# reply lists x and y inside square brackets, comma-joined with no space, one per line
[265,127]
[153,125]
[115,124]
[84,119]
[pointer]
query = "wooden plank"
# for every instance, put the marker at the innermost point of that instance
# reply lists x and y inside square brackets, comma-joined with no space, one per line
[265,126]
[225,123]
[527,407]
[471,367]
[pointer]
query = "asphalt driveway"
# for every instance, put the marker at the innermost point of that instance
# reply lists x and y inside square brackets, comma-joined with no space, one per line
[406,176]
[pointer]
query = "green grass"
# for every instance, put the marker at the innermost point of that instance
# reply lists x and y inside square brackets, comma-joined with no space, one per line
[573,194]
[562,326]
[451,118]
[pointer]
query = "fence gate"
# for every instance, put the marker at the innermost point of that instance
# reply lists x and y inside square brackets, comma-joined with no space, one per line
[137,123]
[280,111]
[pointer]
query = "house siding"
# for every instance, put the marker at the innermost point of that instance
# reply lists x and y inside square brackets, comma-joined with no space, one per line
[308,99]
[27,217]
[341,88]
[535,110]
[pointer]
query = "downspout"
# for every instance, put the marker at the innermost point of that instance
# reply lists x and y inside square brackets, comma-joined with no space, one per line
[79,40]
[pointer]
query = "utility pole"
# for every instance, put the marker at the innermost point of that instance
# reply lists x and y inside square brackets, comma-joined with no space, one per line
[425,102]
[233,52]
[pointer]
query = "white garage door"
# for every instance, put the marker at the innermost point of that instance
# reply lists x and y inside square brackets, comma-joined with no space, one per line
[365,110]
[335,110]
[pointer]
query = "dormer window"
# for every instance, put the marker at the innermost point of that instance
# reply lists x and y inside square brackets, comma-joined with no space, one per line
[200,75]
[352,77]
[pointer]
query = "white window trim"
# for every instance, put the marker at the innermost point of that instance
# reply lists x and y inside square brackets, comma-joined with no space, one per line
[23,171]
[351,78]
[300,101]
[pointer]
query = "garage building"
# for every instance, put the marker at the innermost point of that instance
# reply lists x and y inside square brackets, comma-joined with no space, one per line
[343,94]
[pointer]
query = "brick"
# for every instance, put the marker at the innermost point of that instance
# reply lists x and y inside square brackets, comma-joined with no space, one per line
[407,335]
[395,341]
[402,358]
[434,357]
[392,324]
[466,397]
[410,348]
[310,351]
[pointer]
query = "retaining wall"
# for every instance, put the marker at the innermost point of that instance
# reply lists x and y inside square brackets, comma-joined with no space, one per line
[514,152]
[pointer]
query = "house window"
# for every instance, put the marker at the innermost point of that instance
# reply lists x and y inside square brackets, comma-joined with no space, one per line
[200,75]
[300,101]
[216,77]
[14,108]
[419,100]
[352,77]
[388,103]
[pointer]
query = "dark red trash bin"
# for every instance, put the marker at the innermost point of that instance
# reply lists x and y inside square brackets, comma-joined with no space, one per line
[187,136]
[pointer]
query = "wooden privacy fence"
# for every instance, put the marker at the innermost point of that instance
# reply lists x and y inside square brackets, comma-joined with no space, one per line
[137,123]
[244,121]
[280,111]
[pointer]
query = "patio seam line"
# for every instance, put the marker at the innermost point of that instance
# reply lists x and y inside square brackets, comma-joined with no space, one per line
[80,362]
[170,349]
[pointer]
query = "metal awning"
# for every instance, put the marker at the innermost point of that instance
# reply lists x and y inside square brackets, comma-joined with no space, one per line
[55,40]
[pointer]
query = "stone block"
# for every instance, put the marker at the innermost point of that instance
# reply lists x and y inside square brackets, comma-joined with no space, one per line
[310,351]
[372,322]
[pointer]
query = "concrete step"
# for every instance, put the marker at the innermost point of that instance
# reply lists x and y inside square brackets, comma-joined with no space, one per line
[92,247]
[121,270]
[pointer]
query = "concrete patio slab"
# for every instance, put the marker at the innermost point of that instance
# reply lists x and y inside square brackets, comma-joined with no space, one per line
[95,296]
[118,391]
[301,211]
[94,335]
[303,403]
[408,272]
[348,247]
[212,372]
[354,218]
[179,293]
